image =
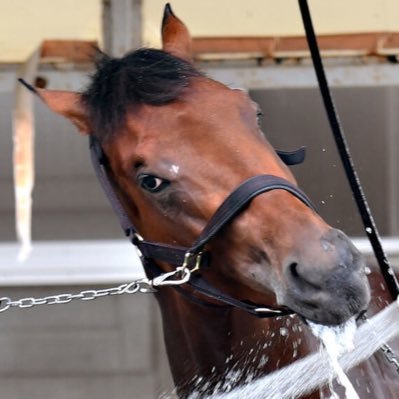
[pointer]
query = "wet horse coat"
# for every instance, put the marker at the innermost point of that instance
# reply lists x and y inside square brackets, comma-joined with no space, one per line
[177,144]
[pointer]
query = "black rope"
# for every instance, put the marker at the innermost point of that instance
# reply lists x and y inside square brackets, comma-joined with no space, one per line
[345,155]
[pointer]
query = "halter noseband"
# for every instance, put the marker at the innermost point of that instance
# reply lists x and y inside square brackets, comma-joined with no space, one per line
[191,259]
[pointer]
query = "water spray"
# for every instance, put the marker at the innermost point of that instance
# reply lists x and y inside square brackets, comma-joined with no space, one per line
[308,374]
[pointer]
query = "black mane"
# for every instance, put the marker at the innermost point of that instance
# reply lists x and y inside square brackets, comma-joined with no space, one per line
[143,76]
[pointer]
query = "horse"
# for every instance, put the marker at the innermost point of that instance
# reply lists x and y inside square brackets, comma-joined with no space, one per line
[177,144]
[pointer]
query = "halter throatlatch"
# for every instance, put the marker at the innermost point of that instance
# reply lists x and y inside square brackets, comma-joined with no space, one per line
[189,260]
[291,158]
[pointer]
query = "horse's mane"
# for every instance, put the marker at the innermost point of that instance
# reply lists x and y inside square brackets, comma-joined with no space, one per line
[147,76]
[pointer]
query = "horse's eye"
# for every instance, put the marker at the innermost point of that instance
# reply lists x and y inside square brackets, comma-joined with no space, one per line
[151,183]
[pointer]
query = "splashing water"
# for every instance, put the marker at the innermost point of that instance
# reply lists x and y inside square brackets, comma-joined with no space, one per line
[337,340]
[307,374]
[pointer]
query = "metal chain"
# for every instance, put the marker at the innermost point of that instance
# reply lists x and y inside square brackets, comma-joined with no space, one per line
[390,356]
[177,277]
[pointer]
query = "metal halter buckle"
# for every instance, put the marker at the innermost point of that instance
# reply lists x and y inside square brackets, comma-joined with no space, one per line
[198,258]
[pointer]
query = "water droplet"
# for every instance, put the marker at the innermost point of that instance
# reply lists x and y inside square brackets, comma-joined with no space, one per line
[323,202]
[369,230]
[283,331]
[263,360]
[324,150]
[362,372]
[367,270]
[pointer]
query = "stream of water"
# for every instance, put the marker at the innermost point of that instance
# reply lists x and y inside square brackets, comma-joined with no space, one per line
[316,370]
[337,341]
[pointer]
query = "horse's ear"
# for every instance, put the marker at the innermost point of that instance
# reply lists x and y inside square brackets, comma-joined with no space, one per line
[66,103]
[176,38]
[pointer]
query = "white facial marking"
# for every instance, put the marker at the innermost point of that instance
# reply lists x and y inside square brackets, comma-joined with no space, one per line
[175,169]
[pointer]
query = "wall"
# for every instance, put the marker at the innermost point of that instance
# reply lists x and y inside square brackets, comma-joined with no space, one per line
[107,348]
[272,18]
[29,22]
[24,24]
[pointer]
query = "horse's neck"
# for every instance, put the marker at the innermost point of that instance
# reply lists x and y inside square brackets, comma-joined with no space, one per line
[220,345]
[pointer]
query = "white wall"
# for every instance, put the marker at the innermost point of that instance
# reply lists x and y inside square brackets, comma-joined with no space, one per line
[24,24]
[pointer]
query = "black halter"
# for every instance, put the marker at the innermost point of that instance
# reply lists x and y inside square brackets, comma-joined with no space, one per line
[196,256]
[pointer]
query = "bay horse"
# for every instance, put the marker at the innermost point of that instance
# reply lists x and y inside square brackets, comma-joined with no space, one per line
[177,144]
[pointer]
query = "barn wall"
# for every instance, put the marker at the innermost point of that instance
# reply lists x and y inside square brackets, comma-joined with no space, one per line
[272,18]
[108,348]
[24,24]
[29,22]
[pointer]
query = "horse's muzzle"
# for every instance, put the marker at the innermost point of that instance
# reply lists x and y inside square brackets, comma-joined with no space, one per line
[327,286]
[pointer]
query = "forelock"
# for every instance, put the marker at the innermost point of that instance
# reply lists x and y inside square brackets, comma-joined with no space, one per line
[147,76]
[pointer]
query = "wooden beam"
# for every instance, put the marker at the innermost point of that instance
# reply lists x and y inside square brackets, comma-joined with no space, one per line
[360,44]
[78,51]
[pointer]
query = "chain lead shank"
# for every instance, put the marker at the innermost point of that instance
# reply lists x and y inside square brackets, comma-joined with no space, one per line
[142,286]
[145,286]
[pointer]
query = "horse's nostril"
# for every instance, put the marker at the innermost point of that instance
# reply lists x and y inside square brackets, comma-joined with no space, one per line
[301,279]
[294,269]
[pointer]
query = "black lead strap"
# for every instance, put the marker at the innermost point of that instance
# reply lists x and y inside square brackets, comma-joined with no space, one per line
[345,155]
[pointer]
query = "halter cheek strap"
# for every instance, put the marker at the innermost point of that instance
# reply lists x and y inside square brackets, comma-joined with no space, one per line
[196,256]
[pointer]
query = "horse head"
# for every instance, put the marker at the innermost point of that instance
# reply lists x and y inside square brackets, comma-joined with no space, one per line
[178,143]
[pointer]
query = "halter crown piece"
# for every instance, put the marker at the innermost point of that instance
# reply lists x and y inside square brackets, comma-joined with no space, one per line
[190,260]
